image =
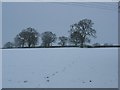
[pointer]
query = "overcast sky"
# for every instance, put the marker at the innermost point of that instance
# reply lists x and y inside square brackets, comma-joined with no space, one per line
[57,17]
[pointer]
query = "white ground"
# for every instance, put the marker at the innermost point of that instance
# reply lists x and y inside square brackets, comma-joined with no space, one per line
[60,68]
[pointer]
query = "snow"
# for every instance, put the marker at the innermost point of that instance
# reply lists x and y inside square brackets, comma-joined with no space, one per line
[60,68]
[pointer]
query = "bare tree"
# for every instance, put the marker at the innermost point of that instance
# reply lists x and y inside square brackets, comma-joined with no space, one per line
[28,37]
[75,37]
[63,40]
[48,38]
[19,42]
[81,32]
[8,45]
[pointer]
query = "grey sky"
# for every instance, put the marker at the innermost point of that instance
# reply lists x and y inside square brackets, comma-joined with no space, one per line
[57,17]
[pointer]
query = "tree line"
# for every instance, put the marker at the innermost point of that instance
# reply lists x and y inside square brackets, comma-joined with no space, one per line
[79,34]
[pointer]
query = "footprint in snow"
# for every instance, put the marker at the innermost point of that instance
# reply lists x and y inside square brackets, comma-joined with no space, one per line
[47,77]
[48,80]
[56,72]
[90,81]
[25,81]
[53,74]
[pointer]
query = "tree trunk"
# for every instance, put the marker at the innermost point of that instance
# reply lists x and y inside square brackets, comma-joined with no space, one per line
[81,45]
[82,42]
[29,44]
[76,43]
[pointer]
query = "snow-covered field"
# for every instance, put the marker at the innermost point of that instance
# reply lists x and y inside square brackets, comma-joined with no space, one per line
[60,68]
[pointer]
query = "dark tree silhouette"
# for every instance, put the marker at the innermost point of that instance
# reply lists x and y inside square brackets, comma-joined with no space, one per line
[48,38]
[28,37]
[75,37]
[63,40]
[19,42]
[8,45]
[81,32]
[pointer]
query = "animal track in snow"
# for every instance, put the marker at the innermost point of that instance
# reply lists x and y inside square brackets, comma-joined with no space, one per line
[25,81]
[48,80]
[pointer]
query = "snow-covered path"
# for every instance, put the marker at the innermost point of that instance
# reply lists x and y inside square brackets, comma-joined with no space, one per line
[60,68]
